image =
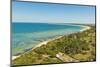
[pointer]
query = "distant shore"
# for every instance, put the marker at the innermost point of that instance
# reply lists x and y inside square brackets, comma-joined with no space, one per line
[45,42]
[85,28]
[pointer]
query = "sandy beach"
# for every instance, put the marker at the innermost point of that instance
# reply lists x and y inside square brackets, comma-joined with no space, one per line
[42,43]
[13,57]
[85,28]
[45,42]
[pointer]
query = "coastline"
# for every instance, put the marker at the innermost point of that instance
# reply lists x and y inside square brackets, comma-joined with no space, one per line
[40,44]
[45,42]
[85,28]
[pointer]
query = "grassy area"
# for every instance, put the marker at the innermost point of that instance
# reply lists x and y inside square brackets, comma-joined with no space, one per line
[74,47]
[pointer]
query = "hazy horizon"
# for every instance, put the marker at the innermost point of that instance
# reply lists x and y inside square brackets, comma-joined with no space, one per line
[54,22]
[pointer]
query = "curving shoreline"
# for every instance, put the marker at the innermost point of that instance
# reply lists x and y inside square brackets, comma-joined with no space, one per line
[85,28]
[45,42]
[42,43]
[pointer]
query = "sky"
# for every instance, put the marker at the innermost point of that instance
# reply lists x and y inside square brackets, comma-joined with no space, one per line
[52,13]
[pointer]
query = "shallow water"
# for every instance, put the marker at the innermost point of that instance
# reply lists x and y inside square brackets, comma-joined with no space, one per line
[28,35]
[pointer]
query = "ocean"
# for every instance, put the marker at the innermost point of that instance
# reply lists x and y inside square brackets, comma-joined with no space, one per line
[27,35]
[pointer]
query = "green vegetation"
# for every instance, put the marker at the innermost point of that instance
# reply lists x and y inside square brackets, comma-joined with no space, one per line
[77,47]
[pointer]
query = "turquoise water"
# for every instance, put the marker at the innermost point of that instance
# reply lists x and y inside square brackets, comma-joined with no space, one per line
[28,35]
